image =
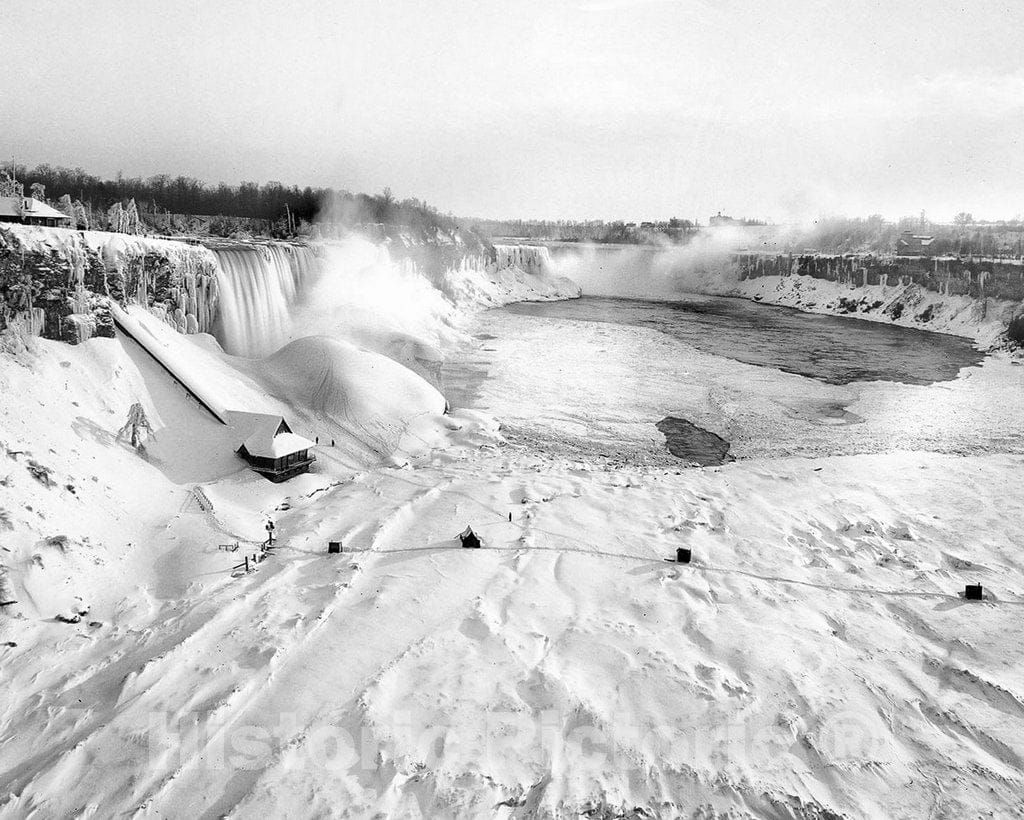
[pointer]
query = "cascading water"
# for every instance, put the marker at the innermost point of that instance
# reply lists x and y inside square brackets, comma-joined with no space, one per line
[532,259]
[259,285]
[271,294]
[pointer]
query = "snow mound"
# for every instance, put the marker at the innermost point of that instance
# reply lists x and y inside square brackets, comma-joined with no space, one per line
[350,391]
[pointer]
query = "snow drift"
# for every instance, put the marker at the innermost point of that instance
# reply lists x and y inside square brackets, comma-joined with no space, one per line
[349,392]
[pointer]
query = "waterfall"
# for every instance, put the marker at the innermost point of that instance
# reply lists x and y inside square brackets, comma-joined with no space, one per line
[270,294]
[258,287]
[533,259]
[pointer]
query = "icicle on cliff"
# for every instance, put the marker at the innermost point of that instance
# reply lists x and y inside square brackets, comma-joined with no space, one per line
[56,282]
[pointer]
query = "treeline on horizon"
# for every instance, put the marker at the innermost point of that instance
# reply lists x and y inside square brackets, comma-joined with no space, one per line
[833,234]
[873,234]
[594,230]
[271,207]
[181,204]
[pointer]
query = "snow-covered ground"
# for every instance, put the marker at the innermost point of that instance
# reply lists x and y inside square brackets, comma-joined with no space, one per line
[815,660]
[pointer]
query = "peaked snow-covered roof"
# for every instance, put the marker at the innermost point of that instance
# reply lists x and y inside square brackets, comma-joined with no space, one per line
[923,238]
[271,437]
[265,424]
[281,445]
[11,206]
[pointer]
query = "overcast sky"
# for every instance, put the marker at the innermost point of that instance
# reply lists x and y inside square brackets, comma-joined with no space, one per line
[630,109]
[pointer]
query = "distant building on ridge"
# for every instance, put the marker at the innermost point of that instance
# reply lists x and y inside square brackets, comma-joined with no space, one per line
[26,210]
[720,220]
[912,244]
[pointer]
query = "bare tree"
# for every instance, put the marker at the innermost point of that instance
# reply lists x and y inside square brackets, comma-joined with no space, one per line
[80,217]
[66,207]
[137,429]
[131,218]
[115,216]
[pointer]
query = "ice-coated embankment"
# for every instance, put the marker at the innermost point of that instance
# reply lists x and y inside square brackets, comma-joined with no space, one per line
[515,273]
[977,301]
[61,279]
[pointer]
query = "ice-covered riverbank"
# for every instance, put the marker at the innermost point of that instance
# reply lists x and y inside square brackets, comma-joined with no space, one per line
[908,305]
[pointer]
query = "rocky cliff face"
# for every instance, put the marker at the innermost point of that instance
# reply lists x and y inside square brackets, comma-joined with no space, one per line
[55,282]
[977,298]
[977,278]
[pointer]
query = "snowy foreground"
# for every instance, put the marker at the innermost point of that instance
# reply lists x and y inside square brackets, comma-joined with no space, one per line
[815,660]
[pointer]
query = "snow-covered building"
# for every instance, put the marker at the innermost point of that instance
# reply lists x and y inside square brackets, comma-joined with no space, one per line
[720,220]
[274,451]
[30,211]
[26,210]
[912,244]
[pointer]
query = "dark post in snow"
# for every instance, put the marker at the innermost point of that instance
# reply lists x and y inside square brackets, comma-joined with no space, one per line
[469,539]
[682,555]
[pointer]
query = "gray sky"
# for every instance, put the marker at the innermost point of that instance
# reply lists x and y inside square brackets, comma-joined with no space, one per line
[594,108]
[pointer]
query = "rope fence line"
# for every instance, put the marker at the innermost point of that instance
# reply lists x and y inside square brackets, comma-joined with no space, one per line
[700,567]
[697,567]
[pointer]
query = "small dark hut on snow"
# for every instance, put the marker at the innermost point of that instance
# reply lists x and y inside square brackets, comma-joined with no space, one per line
[274,451]
[469,539]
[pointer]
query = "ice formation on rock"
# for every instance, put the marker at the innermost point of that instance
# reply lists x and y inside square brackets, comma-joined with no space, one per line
[69,276]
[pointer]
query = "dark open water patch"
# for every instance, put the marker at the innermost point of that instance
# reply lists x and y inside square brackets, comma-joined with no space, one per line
[832,349]
[694,444]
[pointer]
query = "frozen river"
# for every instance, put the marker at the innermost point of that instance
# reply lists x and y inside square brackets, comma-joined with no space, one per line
[833,349]
[600,377]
